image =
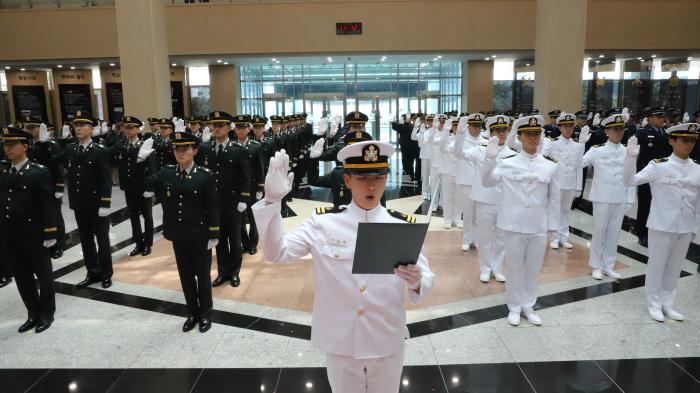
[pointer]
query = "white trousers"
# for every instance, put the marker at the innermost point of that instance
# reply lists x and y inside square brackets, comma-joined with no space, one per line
[468,211]
[524,258]
[567,196]
[607,223]
[434,176]
[447,183]
[425,177]
[666,253]
[375,375]
[490,239]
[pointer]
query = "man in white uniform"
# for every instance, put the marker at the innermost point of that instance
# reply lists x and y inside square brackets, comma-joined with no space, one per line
[422,129]
[466,175]
[451,214]
[436,159]
[529,187]
[673,217]
[568,154]
[488,201]
[610,196]
[359,321]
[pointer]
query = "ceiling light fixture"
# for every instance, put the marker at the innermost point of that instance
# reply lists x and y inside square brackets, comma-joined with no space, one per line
[493,56]
[72,67]
[174,64]
[487,58]
[22,69]
[653,56]
[59,66]
[439,56]
[7,67]
[219,61]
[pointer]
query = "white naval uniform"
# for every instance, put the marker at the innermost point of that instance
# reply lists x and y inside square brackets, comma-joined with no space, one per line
[610,198]
[451,215]
[529,187]
[421,134]
[673,219]
[435,163]
[568,154]
[488,202]
[358,320]
[465,180]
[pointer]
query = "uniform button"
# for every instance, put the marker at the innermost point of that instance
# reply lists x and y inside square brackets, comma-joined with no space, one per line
[179,219]
[180,203]
[363,289]
[179,211]
[360,312]
[336,255]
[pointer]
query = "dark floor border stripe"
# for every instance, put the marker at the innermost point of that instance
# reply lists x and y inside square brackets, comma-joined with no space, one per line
[629,225]
[300,331]
[609,375]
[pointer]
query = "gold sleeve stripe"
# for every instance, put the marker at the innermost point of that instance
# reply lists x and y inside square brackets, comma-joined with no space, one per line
[245,194]
[213,228]
[52,229]
[105,199]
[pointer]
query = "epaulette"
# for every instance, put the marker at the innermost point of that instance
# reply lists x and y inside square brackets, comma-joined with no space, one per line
[204,169]
[552,139]
[171,166]
[550,158]
[36,165]
[401,216]
[335,209]
[255,142]
[657,160]
[510,156]
[600,145]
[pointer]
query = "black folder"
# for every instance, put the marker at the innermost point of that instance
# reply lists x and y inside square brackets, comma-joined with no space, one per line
[380,247]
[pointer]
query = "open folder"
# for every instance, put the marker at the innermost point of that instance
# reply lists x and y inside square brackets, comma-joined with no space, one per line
[380,247]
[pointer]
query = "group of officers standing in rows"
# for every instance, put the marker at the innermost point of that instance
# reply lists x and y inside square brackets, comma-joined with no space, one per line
[510,183]
[210,204]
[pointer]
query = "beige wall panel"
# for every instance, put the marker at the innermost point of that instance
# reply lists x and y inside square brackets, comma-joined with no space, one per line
[479,86]
[223,91]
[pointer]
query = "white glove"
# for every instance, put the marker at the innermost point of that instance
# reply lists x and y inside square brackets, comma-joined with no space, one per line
[212,243]
[645,121]
[206,134]
[58,195]
[145,150]
[95,132]
[147,194]
[317,148]
[491,148]
[241,207]
[596,119]
[462,125]
[103,212]
[626,111]
[401,119]
[180,125]
[49,243]
[585,135]
[258,195]
[448,124]
[104,129]
[279,180]
[141,130]
[322,127]
[65,132]
[334,128]
[632,147]
[411,274]
[43,133]
[686,117]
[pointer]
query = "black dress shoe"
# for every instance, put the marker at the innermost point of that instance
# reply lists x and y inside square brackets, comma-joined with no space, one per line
[4,281]
[218,281]
[87,281]
[136,251]
[235,281]
[57,254]
[253,251]
[146,251]
[28,325]
[43,325]
[107,283]
[643,242]
[204,324]
[190,323]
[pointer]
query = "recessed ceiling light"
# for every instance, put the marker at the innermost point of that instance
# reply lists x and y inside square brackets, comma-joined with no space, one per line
[653,56]
[439,56]
[639,58]
[435,59]
[493,56]
[59,66]
[383,59]
[588,59]
[173,64]
[226,63]
[274,59]
[601,56]
[690,57]
[487,58]
[527,65]
[219,61]
[72,68]
[597,61]
[7,67]
[112,64]
[22,69]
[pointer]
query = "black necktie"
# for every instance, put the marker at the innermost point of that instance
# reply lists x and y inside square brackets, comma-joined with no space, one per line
[81,149]
[219,149]
[13,171]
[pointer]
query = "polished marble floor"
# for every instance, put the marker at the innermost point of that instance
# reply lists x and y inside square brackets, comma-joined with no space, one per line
[596,335]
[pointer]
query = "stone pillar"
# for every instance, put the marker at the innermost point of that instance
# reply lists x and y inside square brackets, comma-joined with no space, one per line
[222,85]
[143,54]
[479,76]
[560,40]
